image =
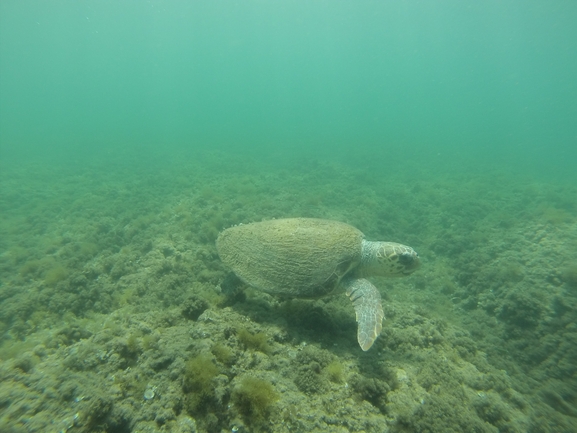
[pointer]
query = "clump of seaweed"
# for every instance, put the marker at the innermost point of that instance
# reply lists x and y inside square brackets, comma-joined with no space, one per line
[133,345]
[371,389]
[55,275]
[336,372]
[257,341]
[199,373]
[253,398]
[309,365]
[223,354]
[193,307]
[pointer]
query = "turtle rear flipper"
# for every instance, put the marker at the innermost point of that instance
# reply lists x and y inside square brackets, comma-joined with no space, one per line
[367,302]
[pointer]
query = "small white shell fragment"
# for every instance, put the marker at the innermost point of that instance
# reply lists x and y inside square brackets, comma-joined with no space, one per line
[149,394]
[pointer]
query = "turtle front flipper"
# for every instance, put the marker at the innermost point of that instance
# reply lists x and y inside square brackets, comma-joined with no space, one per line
[367,302]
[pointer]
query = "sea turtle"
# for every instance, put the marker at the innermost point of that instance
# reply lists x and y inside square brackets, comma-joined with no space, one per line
[310,258]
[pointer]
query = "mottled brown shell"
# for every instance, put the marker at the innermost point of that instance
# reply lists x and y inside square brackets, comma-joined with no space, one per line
[296,257]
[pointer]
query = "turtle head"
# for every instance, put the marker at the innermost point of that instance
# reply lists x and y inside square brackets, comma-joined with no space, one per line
[388,259]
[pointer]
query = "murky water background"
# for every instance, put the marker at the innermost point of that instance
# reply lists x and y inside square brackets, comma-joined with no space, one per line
[131,133]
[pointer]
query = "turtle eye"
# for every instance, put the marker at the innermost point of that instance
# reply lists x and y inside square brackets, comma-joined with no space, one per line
[409,260]
[405,259]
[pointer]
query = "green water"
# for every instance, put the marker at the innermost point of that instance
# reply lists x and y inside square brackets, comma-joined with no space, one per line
[491,80]
[132,133]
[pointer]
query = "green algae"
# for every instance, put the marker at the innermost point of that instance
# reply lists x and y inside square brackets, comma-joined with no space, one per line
[257,341]
[223,354]
[335,371]
[198,376]
[254,398]
[495,279]
[56,274]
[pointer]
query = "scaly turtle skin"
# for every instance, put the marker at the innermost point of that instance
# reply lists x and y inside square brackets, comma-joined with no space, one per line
[310,258]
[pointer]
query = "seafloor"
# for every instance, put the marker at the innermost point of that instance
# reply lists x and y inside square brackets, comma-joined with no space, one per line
[113,316]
